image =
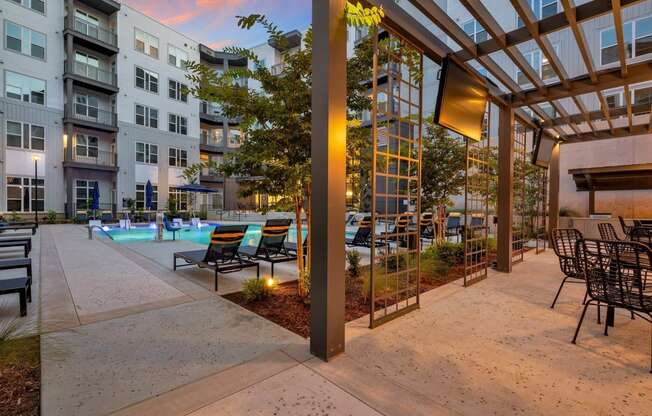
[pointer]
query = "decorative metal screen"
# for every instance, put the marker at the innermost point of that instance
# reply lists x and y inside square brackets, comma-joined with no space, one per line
[476,207]
[396,173]
[541,218]
[519,226]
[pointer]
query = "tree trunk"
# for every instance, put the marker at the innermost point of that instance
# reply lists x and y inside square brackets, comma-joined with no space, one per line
[308,209]
[298,202]
[441,224]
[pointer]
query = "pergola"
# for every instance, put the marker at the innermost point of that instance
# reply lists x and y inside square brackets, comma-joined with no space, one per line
[582,125]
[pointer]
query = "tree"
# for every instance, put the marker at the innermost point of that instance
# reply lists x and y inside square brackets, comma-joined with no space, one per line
[443,170]
[276,119]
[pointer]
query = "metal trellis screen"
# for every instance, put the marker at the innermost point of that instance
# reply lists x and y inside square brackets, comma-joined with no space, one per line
[476,207]
[541,219]
[396,185]
[519,226]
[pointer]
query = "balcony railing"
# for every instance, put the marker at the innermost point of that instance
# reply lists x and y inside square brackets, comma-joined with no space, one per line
[96,74]
[92,156]
[277,69]
[91,114]
[96,32]
[210,140]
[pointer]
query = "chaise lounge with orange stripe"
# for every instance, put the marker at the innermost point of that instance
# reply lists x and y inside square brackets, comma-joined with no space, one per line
[271,247]
[222,254]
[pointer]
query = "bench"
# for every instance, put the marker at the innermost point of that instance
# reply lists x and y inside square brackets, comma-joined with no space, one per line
[25,244]
[20,285]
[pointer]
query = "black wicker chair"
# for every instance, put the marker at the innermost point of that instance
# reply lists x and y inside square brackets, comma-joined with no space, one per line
[608,232]
[563,242]
[618,273]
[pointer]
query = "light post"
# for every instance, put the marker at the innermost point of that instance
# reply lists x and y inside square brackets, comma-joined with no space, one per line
[35,188]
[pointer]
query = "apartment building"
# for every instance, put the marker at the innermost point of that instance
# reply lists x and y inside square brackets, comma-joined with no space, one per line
[93,92]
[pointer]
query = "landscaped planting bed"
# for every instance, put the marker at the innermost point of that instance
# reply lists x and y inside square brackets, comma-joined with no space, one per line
[20,377]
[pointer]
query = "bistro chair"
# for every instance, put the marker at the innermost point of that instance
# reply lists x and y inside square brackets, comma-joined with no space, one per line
[626,228]
[563,243]
[608,232]
[619,274]
[642,235]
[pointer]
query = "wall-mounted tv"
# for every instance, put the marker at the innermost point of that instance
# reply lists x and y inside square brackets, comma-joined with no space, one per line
[543,147]
[461,100]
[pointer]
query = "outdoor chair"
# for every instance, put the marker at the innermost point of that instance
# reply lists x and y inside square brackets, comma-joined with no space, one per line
[427,227]
[20,285]
[362,237]
[642,235]
[18,238]
[626,228]
[453,225]
[619,274]
[398,230]
[291,247]
[271,248]
[171,228]
[222,253]
[608,232]
[563,243]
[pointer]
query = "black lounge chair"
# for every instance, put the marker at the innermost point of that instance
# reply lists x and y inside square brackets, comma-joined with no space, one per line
[222,253]
[453,226]
[563,242]
[24,243]
[608,232]
[362,237]
[427,227]
[271,248]
[291,247]
[20,285]
[398,231]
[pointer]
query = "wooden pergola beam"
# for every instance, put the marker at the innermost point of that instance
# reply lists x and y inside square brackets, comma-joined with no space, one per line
[595,115]
[635,130]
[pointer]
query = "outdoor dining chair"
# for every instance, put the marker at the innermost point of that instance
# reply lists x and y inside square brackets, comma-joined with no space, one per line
[627,229]
[642,235]
[608,232]
[563,243]
[618,274]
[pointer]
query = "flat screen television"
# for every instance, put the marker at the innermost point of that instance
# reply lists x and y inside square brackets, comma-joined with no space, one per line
[461,100]
[543,147]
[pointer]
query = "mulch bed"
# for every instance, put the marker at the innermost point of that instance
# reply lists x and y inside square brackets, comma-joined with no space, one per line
[20,377]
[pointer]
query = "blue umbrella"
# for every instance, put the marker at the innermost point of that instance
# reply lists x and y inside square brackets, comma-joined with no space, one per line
[149,195]
[96,197]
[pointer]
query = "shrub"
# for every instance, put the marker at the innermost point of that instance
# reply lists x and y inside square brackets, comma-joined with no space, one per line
[52,216]
[258,289]
[304,281]
[353,258]
[14,216]
[450,253]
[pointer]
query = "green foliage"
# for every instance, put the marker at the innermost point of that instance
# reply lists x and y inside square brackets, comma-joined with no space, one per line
[304,285]
[172,206]
[353,259]
[449,253]
[358,15]
[14,216]
[51,216]
[258,289]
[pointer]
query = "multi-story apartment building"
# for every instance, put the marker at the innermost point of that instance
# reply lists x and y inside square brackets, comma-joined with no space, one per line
[95,91]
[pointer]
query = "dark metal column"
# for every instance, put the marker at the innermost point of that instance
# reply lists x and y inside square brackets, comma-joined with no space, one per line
[505,187]
[553,204]
[328,178]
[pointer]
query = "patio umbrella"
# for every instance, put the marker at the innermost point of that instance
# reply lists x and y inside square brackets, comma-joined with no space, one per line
[149,195]
[196,188]
[95,204]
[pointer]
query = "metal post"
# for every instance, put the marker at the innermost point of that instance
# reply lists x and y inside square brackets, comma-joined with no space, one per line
[35,190]
[553,204]
[328,178]
[505,187]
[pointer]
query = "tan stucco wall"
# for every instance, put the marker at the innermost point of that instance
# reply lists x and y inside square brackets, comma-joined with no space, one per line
[613,152]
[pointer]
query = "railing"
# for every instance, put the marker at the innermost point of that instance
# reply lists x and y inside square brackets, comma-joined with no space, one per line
[96,74]
[212,109]
[209,140]
[90,30]
[277,69]
[92,114]
[95,157]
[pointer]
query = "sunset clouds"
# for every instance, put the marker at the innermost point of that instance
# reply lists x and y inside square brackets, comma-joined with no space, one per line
[213,22]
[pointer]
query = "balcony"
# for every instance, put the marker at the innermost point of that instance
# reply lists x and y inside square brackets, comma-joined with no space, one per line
[90,36]
[95,159]
[91,117]
[105,6]
[210,113]
[92,77]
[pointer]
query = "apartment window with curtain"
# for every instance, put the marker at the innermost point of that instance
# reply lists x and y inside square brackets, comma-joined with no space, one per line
[177,157]
[177,124]
[177,57]
[177,91]
[24,40]
[141,195]
[146,116]
[25,136]
[87,106]
[146,80]
[146,43]
[36,5]
[20,194]
[86,146]
[146,153]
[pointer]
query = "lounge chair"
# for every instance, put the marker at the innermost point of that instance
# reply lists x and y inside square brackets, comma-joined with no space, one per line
[291,247]
[222,254]
[398,231]
[172,228]
[270,247]
[20,285]
[427,227]
[362,237]
[453,225]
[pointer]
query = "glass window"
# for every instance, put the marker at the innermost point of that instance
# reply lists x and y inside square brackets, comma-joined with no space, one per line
[24,40]
[25,135]
[87,106]
[14,134]
[235,137]
[84,194]
[643,36]
[177,91]
[147,80]
[86,146]
[146,153]
[609,44]
[181,198]
[642,96]
[177,124]
[24,88]
[140,196]
[475,31]
[548,8]
[146,43]
[146,116]
[36,5]
[20,194]
[177,157]
[177,57]
[614,100]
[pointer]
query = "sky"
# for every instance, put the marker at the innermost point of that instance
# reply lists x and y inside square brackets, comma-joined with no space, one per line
[213,22]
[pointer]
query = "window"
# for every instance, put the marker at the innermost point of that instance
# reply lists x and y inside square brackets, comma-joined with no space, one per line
[86,106]
[146,43]
[177,57]
[642,96]
[643,36]
[141,195]
[24,40]
[178,157]
[235,137]
[36,5]
[177,91]
[20,194]
[609,44]
[86,146]
[475,31]
[614,99]
[24,88]
[540,64]
[177,124]
[146,116]
[84,194]
[549,110]
[146,153]
[541,9]
[25,135]
[180,198]
[214,137]
[147,80]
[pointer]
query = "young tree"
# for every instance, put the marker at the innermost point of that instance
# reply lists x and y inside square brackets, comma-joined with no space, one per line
[276,118]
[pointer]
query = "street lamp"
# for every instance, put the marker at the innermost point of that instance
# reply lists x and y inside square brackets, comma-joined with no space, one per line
[35,158]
